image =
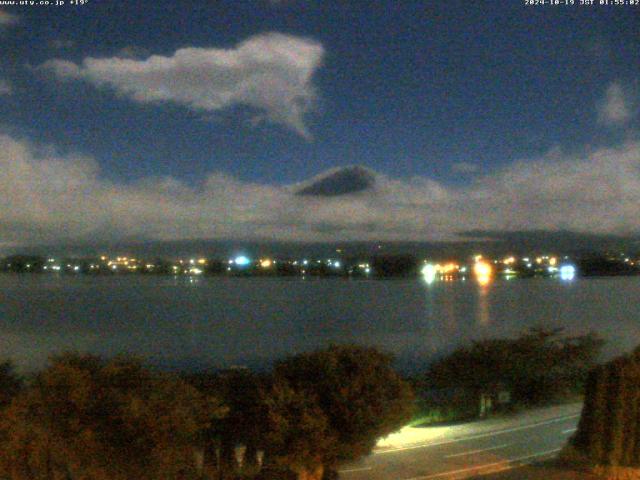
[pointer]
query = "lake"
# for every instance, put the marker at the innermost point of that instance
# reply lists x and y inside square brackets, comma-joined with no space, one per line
[197,323]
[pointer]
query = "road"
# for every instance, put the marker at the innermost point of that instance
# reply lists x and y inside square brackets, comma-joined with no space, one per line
[477,449]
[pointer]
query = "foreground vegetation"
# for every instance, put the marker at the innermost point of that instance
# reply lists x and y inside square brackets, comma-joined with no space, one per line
[84,417]
[87,418]
[541,366]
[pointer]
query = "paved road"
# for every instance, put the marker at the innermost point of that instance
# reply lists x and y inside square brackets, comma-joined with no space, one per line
[522,440]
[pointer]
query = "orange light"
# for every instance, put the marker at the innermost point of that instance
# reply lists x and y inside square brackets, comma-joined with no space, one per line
[449,268]
[483,272]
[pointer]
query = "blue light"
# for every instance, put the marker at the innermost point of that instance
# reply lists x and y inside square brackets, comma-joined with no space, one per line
[242,261]
[567,272]
[429,272]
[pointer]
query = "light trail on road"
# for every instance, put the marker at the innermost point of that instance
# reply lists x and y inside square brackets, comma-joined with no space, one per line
[530,439]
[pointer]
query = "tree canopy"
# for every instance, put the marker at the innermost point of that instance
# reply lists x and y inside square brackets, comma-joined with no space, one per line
[332,405]
[85,418]
[535,366]
[10,383]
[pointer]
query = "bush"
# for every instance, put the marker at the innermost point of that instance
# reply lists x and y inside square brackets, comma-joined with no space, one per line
[536,367]
[86,418]
[332,405]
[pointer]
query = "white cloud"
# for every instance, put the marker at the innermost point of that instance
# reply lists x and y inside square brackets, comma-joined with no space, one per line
[49,197]
[5,87]
[617,106]
[271,73]
[8,19]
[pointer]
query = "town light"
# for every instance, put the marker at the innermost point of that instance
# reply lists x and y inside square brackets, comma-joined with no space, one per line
[567,272]
[449,268]
[242,261]
[429,272]
[483,272]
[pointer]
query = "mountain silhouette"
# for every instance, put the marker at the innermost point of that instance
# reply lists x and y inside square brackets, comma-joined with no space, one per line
[339,181]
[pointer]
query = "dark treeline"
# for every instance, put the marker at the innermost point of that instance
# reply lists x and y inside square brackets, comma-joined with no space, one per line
[539,367]
[600,265]
[373,266]
[84,417]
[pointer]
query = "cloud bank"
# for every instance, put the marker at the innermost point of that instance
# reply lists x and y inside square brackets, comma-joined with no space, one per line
[270,73]
[46,197]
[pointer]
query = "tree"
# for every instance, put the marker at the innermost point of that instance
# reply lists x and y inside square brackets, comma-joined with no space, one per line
[332,405]
[609,428]
[84,418]
[22,263]
[10,383]
[299,436]
[240,391]
[536,366]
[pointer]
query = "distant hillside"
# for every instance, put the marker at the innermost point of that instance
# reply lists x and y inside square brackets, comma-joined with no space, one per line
[489,243]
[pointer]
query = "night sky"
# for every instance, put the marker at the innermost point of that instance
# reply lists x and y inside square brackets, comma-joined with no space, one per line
[183,120]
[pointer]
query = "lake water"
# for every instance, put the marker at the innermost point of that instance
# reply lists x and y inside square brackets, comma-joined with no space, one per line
[220,322]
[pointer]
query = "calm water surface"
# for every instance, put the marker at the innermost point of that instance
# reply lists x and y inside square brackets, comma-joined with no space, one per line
[216,322]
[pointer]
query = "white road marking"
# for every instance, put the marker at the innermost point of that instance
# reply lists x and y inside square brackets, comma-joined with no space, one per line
[471,452]
[480,435]
[569,430]
[362,469]
[506,463]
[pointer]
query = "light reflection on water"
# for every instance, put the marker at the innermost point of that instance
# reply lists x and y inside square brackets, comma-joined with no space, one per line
[182,322]
[483,304]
